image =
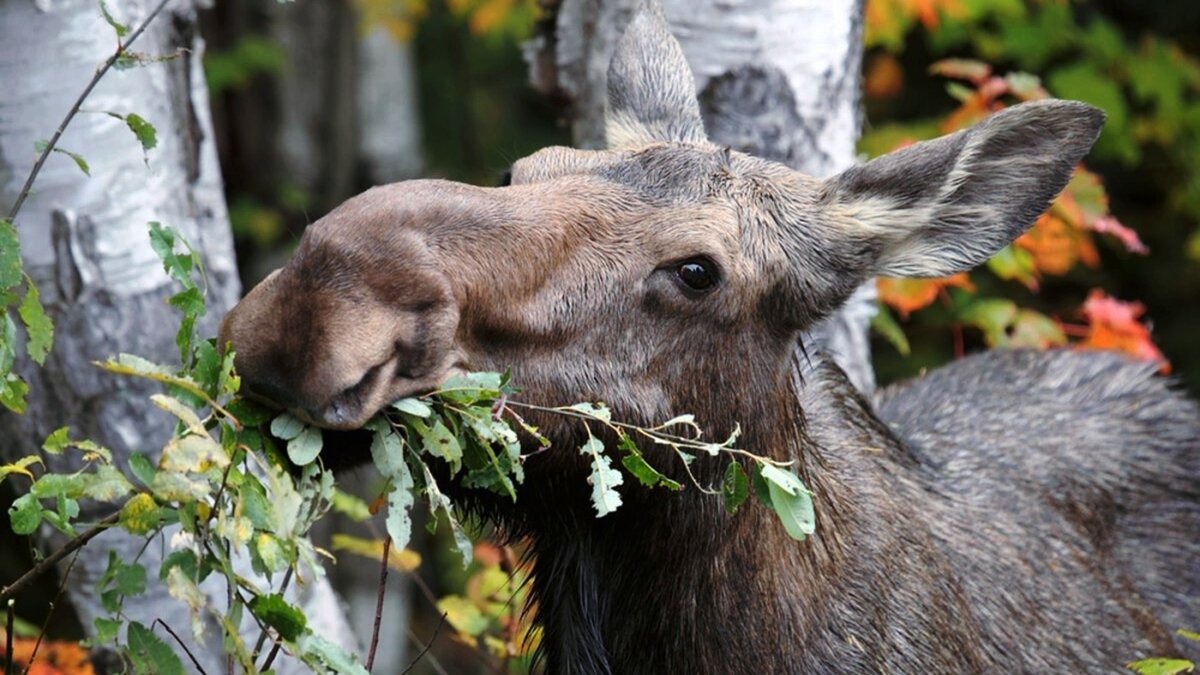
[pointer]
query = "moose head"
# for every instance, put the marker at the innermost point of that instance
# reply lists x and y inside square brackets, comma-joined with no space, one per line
[656,275]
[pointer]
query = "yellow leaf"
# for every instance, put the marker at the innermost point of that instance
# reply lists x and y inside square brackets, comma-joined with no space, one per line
[405,560]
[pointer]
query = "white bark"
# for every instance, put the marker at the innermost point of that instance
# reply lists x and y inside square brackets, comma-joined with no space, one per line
[85,243]
[776,78]
[389,124]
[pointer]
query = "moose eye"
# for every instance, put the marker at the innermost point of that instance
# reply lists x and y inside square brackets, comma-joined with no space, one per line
[697,275]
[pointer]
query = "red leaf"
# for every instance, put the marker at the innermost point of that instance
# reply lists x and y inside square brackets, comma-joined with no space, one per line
[1112,226]
[1113,324]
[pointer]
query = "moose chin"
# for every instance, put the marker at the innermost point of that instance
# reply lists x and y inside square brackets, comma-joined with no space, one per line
[1015,511]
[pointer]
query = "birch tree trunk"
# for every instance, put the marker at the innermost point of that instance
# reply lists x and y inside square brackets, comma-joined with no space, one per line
[85,244]
[776,78]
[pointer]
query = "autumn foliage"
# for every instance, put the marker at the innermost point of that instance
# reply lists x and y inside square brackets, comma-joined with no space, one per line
[1062,239]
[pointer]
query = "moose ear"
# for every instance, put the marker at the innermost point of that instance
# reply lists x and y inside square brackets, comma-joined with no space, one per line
[947,205]
[651,93]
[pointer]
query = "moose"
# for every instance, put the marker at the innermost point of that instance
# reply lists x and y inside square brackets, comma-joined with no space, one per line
[1015,511]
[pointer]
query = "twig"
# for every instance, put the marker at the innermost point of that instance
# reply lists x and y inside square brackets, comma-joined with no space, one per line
[262,637]
[271,656]
[49,561]
[8,639]
[427,645]
[383,573]
[37,165]
[62,586]
[181,644]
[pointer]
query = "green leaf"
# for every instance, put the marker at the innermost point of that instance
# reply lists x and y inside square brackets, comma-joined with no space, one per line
[193,453]
[735,486]
[1161,666]
[130,579]
[149,654]
[79,160]
[439,502]
[387,449]
[277,613]
[783,479]
[400,502]
[439,442]
[286,426]
[248,412]
[168,486]
[107,484]
[463,614]
[350,506]
[636,464]
[56,484]
[140,514]
[304,448]
[604,479]
[11,268]
[413,406]
[178,267]
[596,411]
[325,656]
[991,315]
[141,468]
[106,630]
[471,387]
[12,393]
[37,325]
[1189,634]
[144,131]
[117,26]
[25,514]
[885,324]
[795,510]
[57,441]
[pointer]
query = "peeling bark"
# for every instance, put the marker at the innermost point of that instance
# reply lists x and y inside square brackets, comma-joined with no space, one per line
[85,244]
[776,78]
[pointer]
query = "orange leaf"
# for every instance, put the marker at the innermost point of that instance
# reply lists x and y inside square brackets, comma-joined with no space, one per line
[884,78]
[909,295]
[54,657]
[1056,246]
[962,69]
[1113,324]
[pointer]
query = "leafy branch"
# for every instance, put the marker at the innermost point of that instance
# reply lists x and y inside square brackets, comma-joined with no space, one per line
[122,52]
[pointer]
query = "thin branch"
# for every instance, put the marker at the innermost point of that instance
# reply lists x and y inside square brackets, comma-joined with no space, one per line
[62,586]
[427,645]
[8,639]
[182,646]
[383,573]
[262,637]
[271,656]
[49,561]
[100,72]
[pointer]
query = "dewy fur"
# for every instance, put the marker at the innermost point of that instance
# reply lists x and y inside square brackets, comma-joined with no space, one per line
[1015,511]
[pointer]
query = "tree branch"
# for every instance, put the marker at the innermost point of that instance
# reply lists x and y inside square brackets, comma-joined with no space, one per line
[383,573]
[49,561]
[122,49]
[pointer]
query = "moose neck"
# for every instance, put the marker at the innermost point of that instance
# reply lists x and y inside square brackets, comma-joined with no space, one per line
[627,592]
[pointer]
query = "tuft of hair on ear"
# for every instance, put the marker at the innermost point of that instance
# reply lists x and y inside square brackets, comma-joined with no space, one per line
[651,91]
[947,205]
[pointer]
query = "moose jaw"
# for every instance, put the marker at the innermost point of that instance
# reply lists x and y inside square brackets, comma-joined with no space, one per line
[1012,512]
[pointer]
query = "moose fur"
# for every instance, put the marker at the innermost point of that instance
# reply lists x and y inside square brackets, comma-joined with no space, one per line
[1015,511]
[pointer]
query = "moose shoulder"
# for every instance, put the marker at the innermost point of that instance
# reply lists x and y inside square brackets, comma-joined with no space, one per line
[1012,512]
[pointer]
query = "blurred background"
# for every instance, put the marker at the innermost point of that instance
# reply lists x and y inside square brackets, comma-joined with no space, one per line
[316,100]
